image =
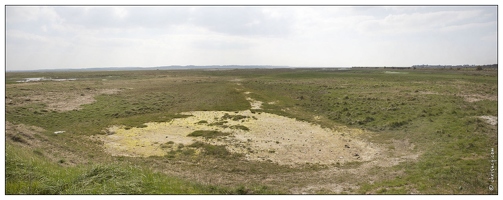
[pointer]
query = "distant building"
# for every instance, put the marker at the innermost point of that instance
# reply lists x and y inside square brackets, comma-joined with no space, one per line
[455,66]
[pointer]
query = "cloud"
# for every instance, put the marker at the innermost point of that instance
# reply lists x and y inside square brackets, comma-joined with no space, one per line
[223,44]
[469,26]
[231,21]
[16,35]
[17,14]
[94,36]
[241,21]
[396,24]
[490,37]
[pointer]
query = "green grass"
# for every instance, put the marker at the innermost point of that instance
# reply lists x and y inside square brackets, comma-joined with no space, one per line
[148,102]
[233,117]
[28,173]
[218,123]
[207,134]
[217,151]
[441,123]
[202,122]
[425,107]
[241,127]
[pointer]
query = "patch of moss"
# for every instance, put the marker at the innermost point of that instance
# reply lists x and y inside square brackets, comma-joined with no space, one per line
[207,134]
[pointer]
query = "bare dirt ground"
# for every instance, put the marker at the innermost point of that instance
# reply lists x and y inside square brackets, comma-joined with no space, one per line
[70,100]
[474,98]
[270,137]
[493,120]
[57,100]
[467,98]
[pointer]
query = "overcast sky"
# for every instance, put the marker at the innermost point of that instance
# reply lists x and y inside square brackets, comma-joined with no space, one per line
[300,36]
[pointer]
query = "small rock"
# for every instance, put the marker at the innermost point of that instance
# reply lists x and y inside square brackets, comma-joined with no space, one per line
[356,154]
[346,146]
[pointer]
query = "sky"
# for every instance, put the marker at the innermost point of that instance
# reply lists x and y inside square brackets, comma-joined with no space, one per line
[58,37]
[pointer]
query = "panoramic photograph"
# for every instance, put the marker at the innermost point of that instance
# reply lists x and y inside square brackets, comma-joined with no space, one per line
[257,99]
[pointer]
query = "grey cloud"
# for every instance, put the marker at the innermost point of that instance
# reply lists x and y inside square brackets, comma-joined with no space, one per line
[416,22]
[155,17]
[105,17]
[226,20]
[240,21]
[90,17]
[269,34]
[17,14]
[30,19]
[219,44]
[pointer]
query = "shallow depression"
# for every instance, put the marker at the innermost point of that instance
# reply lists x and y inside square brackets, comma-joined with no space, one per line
[270,138]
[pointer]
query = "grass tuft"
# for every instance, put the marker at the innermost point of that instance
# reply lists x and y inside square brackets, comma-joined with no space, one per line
[207,134]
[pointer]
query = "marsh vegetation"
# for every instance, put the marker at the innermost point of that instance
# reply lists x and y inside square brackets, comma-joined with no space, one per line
[252,131]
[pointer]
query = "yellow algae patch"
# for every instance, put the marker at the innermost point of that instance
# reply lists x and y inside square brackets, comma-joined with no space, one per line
[258,136]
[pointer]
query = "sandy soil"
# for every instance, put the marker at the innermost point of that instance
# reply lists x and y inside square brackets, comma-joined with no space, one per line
[70,100]
[493,120]
[270,138]
[474,98]
[468,98]
[254,104]
[274,138]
